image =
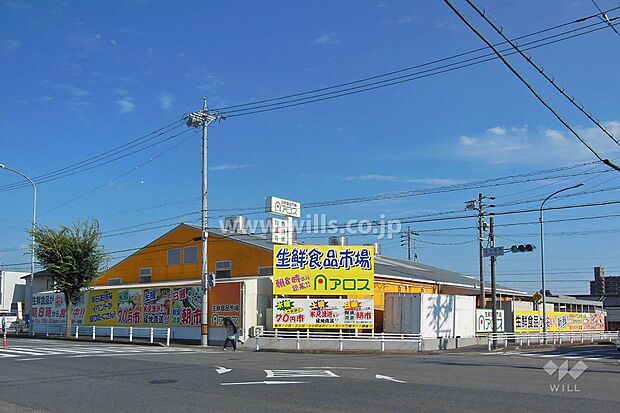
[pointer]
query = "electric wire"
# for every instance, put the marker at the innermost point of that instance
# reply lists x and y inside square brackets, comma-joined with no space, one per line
[102,158]
[549,78]
[525,82]
[406,69]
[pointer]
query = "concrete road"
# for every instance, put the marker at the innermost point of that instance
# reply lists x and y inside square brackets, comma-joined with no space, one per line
[58,376]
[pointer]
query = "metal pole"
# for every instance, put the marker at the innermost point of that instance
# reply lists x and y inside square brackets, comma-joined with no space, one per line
[493,289]
[409,243]
[542,256]
[480,248]
[204,324]
[34,225]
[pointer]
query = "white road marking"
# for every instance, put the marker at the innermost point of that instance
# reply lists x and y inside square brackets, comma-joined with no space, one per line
[299,373]
[340,368]
[380,377]
[80,351]
[35,358]
[263,382]
[222,370]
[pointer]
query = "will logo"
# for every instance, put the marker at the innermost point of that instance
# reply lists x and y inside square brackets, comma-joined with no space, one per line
[562,371]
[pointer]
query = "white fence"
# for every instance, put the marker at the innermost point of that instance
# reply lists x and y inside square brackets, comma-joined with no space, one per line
[149,334]
[527,339]
[344,340]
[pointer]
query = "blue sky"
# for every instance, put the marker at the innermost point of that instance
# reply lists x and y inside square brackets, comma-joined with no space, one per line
[80,78]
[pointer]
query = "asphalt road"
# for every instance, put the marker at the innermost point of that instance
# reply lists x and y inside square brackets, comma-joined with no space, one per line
[58,376]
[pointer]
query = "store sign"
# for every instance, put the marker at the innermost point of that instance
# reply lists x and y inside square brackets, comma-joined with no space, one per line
[531,321]
[225,301]
[323,270]
[484,320]
[50,308]
[324,313]
[279,230]
[279,206]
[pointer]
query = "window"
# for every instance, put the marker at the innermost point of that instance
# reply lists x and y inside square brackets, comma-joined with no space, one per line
[190,255]
[265,270]
[223,269]
[115,281]
[174,256]
[50,283]
[145,275]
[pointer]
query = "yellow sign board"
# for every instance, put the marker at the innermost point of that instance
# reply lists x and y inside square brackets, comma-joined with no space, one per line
[323,270]
[323,313]
[531,321]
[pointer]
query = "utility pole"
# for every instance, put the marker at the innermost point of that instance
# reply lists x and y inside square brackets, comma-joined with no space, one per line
[479,205]
[480,247]
[406,240]
[203,119]
[493,288]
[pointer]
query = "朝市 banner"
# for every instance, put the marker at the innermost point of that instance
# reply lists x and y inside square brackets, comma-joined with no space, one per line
[150,306]
[323,270]
[327,313]
[531,321]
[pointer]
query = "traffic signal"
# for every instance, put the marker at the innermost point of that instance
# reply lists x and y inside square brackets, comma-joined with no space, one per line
[522,248]
[210,280]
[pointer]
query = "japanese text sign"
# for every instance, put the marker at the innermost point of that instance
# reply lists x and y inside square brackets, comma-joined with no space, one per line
[323,270]
[323,313]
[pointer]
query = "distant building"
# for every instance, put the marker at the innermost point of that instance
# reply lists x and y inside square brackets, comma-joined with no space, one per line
[12,290]
[604,285]
[606,289]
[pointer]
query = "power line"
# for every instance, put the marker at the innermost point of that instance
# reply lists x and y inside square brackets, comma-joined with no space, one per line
[523,80]
[550,79]
[254,104]
[398,80]
[103,158]
[605,18]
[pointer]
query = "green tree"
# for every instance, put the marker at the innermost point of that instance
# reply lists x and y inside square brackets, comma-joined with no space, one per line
[73,257]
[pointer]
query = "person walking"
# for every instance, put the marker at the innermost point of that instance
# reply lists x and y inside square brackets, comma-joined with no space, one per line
[231,333]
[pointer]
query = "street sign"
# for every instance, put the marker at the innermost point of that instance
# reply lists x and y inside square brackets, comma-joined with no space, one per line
[279,206]
[493,251]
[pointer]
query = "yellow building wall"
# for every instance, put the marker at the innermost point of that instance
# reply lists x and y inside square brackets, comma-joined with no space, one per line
[245,258]
[392,286]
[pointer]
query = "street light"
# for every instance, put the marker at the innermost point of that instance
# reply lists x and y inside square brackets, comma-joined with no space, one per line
[34,224]
[542,254]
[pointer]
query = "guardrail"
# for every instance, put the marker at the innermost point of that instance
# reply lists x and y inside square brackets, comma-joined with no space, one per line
[550,338]
[342,338]
[112,332]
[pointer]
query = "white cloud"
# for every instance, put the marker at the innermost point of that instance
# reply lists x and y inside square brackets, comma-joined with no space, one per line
[541,145]
[327,38]
[74,91]
[405,20]
[10,45]
[392,178]
[227,167]
[497,130]
[125,105]
[166,101]
[555,135]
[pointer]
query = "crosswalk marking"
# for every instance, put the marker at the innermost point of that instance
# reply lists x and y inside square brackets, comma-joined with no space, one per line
[587,355]
[70,350]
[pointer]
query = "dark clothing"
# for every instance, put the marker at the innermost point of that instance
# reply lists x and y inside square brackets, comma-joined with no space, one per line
[233,341]
[231,333]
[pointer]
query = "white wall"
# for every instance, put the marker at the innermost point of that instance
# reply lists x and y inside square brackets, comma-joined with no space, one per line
[12,288]
[431,315]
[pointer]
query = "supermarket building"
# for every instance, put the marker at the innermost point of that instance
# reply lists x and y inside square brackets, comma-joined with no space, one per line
[167,272]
